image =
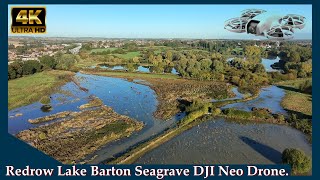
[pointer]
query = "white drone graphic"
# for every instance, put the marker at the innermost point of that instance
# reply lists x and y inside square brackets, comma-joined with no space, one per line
[263,23]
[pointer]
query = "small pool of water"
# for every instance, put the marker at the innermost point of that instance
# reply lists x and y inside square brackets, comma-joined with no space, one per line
[223,142]
[268,62]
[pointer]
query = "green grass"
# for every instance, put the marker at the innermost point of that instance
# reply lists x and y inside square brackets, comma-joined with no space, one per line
[29,89]
[294,100]
[103,49]
[135,75]
[128,55]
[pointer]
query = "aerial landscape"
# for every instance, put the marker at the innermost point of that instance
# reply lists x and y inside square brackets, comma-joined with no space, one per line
[164,100]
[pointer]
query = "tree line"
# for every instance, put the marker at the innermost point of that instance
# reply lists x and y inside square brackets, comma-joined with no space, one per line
[60,61]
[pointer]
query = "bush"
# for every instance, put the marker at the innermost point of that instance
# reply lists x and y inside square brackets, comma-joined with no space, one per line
[235,113]
[48,62]
[299,162]
[306,87]
[216,111]
[31,67]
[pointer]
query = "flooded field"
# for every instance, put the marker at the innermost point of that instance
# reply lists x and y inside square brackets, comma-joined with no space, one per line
[218,141]
[126,98]
[213,141]
[269,97]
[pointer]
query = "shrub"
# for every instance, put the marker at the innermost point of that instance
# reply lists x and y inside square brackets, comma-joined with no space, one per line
[45,100]
[216,111]
[299,162]
[235,113]
[306,87]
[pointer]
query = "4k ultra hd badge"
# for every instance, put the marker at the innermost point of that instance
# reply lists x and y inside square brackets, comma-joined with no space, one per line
[28,20]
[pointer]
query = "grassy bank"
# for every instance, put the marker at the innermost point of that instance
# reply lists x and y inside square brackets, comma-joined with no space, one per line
[29,89]
[298,104]
[132,74]
[296,101]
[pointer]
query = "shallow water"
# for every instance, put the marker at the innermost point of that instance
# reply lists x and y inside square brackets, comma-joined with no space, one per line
[269,97]
[135,100]
[69,99]
[224,142]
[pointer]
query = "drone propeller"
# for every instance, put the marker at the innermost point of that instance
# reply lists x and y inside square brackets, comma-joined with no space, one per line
[250,13]
[280,32]
[293,20]
[237,25]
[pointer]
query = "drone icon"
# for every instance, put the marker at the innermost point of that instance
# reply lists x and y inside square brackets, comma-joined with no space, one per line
[263,23]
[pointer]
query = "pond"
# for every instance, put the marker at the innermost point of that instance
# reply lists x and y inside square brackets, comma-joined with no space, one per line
[218,141]
[268,62]
[269,97]
[127,98]
[137,68]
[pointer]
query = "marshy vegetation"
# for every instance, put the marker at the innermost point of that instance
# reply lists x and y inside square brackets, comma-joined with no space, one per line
[78,134]
[173,93]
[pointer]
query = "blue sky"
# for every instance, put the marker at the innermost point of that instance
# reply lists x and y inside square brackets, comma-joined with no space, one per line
[157,21]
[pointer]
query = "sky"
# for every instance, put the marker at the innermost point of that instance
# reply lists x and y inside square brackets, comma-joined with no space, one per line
[157,21]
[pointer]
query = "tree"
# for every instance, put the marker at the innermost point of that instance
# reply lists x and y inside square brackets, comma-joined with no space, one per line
[135,60]
[294,56]
[65,61]
[259,68]
[11,72]
[48,62]
[169,55]
[252,51]
[299,162]
[151,58]
[31,67]
[205,64]
[15,70]
[217,66]
[216,56]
